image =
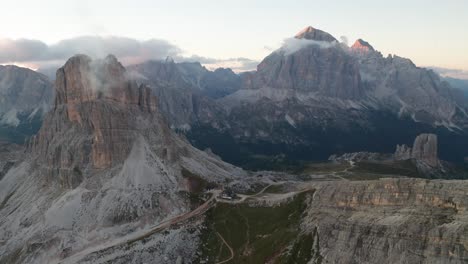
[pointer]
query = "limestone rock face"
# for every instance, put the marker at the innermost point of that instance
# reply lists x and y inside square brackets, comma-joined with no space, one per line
[425,149]
[103,112]
[398,85]
[323,70]
[82,80]
[9,155]
[332,75]
[91,100]
[390,221]
[361,46]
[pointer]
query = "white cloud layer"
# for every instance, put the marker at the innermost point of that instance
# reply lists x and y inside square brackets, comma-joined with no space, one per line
[36,54]
[30,52]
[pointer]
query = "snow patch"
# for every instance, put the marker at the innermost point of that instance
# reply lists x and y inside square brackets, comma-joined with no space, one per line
[183,128]
[290,120]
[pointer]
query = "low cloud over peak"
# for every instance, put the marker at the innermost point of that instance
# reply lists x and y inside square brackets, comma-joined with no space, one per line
[453,73]
[36,54]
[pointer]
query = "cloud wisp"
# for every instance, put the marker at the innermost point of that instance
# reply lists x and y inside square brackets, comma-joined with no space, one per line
[292,45]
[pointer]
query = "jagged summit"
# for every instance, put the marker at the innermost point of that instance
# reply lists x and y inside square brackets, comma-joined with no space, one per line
[362,46]
[314,34]
[105,111]
[83,79]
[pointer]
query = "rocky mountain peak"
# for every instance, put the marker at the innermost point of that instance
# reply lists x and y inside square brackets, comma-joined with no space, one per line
[97,105]
[311,33]
[424,150]
[82,80]
[100,117]
[323,68]
[362,46]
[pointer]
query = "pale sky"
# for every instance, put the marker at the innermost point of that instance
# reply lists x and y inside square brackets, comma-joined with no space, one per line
[430,32]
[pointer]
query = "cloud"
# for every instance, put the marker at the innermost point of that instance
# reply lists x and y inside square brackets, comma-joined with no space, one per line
[292,45]
[454,73]
[36,53]
[21,50]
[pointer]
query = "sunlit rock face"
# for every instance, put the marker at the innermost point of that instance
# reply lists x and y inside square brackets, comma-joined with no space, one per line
[314,34]
[97,98]
[361,46]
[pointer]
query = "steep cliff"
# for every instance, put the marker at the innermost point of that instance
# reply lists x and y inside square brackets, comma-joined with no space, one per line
[390,221]
[424,150]
[311,63]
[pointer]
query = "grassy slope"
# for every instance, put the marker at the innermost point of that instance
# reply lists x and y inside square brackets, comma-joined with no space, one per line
[257,234]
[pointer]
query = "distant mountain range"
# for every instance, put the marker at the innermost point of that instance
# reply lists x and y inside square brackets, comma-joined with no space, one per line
[311,98]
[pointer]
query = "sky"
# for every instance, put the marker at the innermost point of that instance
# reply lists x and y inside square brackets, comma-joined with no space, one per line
[430,32]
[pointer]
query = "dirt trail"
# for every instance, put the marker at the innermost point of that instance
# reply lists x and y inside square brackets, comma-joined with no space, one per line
[229,247]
